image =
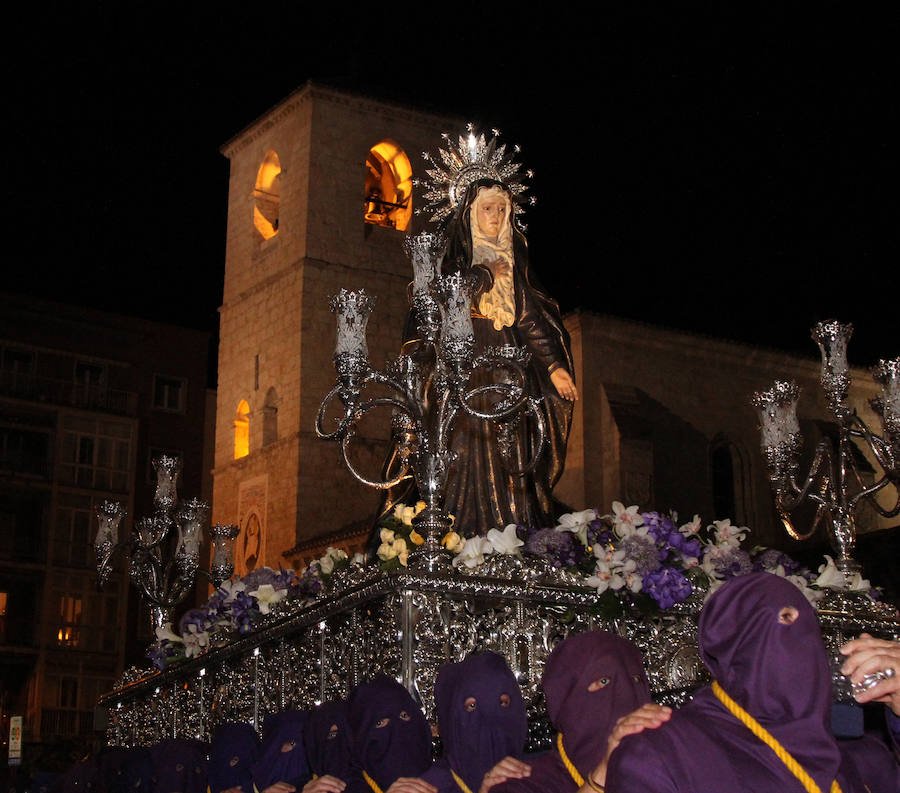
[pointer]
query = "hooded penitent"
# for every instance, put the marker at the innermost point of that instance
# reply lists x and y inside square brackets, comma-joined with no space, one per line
[282,757]
[388,733]
[81,777]
[180,766]
[761,641]
[232,754]
[328,740]
[481,718]
[613,668]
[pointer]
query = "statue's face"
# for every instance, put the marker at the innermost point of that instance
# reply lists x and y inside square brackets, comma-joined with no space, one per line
[492,214]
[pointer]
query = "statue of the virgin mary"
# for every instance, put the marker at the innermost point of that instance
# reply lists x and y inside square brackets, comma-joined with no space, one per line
[478,196]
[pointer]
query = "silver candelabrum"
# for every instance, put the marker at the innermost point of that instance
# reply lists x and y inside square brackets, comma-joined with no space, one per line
[429,388]
[834,482]
[164,549]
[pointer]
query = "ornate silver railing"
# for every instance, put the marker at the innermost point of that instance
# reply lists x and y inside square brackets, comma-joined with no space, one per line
[408,625]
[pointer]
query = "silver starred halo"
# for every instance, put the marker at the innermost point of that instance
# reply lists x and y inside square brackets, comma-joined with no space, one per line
[471,158]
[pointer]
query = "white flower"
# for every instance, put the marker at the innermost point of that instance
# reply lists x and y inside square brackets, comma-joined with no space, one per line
[802,584]
[726,534]
[472,553]
[830,576]
[577,523]
[335,553]
[165,632]
[232,588]
[267,596]
[387,536]
[194,641]
[634,581]
[405,514]
[386,551]
[326,564]
[359,558]
[691,528]
[626,520]
[506,541]
[606,576]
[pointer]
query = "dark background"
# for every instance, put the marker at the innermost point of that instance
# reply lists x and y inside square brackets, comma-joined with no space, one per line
[731,172]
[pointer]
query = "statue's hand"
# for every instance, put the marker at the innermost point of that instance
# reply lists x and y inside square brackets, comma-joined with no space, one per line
[501,269]
[564,385]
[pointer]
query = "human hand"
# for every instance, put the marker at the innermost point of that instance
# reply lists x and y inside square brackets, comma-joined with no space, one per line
[868,655]
[280,787]
[408,785]
[564,384]
[646,717]
[324,784]
[507,768]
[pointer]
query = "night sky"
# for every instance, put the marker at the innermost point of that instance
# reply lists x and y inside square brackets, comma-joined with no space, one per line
[731,173]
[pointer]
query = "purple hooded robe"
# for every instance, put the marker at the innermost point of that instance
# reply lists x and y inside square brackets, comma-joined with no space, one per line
[81,777]
[282,757]
[389,735]
[328,740]
[180,766]
[584,718]
[233,752]
[777,671]
[476,740]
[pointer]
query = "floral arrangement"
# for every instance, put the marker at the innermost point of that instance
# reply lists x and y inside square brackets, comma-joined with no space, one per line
[635,560]
[241,604]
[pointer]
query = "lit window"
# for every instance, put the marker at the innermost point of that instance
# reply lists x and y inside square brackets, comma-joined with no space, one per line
[70,618]
[3,617]
[242,430]
[168,393]
[388,186]
[267,196]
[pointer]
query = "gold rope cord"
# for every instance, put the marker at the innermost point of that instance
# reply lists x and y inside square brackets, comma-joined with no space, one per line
[771,741]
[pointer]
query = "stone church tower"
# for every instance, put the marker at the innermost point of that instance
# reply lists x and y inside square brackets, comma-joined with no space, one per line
[320,197]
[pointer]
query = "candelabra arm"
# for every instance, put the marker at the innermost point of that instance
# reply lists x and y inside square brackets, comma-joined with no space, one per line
[503,409]
[824,480]
[402,476]
[880,448]
[320,417]
[532,408]
[867,492]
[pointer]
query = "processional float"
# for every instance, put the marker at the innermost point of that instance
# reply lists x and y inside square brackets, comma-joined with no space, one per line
[410,621]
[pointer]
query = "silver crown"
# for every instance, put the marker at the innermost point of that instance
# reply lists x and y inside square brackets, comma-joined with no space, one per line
[472,158]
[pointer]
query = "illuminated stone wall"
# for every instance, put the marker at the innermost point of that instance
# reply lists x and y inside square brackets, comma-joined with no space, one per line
[656,402]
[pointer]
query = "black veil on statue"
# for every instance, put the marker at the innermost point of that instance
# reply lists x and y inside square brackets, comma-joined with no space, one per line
[480,492]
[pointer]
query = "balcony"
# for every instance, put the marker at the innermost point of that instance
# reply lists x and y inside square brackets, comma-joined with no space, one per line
[68,393]
[57,722]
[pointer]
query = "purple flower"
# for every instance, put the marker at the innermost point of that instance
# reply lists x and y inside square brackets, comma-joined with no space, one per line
[685,546]
[196,617]
[667,586]
[560,548]
[769,559]
[728,562]
[642,550]
[158,655]
[660,527]
[599,533]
